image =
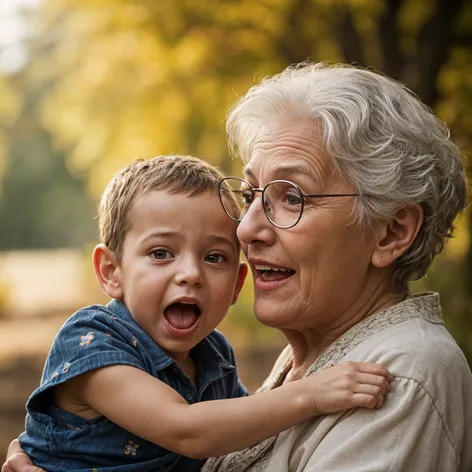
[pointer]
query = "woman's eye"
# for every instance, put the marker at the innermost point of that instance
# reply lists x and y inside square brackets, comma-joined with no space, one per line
[161,254]
[293,199]
[215,258]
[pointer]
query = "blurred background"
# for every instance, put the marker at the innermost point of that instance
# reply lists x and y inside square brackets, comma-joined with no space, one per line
[86,86]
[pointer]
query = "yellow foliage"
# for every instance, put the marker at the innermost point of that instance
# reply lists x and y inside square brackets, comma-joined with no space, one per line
[9,101]
[458,246]
[136,79]
[415,13]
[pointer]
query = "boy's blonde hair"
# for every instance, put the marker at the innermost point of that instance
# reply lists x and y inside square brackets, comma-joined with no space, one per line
[175,174]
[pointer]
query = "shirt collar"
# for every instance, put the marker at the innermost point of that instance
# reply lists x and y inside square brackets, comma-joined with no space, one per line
[160,358]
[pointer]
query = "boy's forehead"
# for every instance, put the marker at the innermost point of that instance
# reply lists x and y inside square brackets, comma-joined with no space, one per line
[184,212]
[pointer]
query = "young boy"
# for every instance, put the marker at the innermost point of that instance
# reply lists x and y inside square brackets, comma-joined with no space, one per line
[126,386]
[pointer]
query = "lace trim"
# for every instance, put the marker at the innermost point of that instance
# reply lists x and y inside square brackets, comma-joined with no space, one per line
[425,306]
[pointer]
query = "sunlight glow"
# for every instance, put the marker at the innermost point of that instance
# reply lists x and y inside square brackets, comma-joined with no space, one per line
[14,30]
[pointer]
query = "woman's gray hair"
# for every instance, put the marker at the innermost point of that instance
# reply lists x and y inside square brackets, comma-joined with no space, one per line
[383,140]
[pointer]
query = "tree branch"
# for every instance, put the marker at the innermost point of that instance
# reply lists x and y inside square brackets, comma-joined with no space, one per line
[392,59]
[435,40]
[349,40]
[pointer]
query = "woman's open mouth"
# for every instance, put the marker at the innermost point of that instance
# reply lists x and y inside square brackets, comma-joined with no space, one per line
[272,274]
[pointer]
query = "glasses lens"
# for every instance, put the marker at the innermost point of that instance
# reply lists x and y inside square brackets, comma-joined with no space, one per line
[236,195]
[283,203]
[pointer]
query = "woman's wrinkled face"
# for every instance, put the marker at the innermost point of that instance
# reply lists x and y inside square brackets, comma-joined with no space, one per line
[309,276]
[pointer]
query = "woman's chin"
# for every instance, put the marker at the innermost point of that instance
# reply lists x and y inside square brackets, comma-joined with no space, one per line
[268,313]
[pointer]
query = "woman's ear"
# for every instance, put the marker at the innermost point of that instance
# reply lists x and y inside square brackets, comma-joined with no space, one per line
[242,273]
[106,267]
[397,235]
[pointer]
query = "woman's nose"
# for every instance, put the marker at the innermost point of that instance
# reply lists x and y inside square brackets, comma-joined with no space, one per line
[255,226]
[189,273]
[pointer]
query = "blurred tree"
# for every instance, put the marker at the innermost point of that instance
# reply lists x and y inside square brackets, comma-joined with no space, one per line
[42,204]
[9,110]
[135,78]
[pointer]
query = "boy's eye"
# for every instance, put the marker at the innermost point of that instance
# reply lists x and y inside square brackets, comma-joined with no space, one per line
[161,254]
[215,258]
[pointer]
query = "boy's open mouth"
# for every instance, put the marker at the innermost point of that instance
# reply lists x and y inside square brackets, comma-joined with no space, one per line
[182,315]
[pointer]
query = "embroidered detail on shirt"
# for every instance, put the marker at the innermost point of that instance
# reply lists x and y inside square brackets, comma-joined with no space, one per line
[71,426]
[131,448]
[86,340]
[66,367]
[134,342]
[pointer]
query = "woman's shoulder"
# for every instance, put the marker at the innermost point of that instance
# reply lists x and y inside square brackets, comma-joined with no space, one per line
[410,339]
[411,342]
[421,356]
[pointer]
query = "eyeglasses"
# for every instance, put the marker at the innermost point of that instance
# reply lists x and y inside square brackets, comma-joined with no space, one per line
[282,200]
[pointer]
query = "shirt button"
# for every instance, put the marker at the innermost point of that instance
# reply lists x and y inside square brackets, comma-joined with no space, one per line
[189,397]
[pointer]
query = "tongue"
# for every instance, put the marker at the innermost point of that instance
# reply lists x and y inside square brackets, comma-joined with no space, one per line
[181,315]
[270,275]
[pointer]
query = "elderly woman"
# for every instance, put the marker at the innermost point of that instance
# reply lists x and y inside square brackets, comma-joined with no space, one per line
[351,188]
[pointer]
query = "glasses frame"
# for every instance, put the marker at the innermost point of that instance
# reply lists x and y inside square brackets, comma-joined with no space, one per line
[262,191]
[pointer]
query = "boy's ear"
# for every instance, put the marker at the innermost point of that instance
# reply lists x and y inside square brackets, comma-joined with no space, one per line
[242,273]
[106,267]
[397,235]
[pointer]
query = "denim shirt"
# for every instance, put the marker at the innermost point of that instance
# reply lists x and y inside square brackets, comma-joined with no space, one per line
[99,336]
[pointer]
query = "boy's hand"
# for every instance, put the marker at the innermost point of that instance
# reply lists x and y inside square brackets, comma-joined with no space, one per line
[18,461]
[349,385]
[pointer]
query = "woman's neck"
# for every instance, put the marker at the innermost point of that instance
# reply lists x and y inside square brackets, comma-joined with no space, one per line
[308,344]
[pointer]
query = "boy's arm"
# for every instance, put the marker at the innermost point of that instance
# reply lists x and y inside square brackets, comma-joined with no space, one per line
[152,410]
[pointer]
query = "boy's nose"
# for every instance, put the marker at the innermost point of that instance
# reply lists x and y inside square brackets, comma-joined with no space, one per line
[189,274]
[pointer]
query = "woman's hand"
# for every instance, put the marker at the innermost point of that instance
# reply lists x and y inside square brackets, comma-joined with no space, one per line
[18,461]
[348,385]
